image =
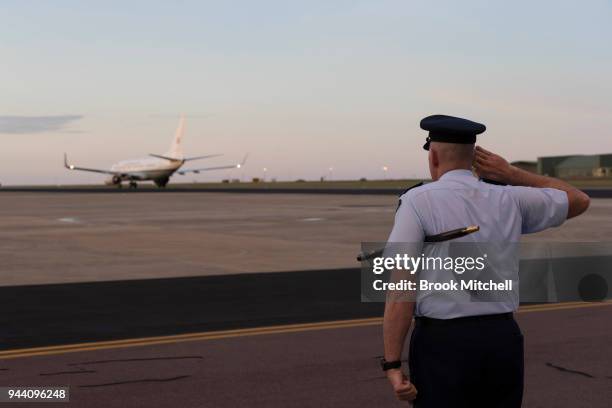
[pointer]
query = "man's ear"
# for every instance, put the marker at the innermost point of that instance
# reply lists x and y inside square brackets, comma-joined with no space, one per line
[435,160]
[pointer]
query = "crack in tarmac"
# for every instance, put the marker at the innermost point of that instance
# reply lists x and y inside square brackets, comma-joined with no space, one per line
[567,370]
[129,360]
[144,380]
[69,372]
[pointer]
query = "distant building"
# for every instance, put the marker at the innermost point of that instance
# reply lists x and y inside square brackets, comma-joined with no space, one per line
[531,166]
[576,166]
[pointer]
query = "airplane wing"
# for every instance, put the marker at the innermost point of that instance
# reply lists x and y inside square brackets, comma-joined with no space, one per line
[202,157]
[159,156]
[72,167]
[196,171]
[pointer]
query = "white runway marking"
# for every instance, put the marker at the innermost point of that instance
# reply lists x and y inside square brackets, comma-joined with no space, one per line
[314,219]
[70,220]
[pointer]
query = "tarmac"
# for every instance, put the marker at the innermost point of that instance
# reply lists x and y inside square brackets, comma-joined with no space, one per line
[568,364]
[348,187]
[70,237]
[155,300]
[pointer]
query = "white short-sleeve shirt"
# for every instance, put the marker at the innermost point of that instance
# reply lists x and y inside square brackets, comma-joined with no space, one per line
[458,199]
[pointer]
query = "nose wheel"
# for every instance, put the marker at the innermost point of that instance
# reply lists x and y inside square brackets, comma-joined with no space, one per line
[133,184]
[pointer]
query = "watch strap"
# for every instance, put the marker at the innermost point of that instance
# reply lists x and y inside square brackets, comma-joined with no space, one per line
[390,365]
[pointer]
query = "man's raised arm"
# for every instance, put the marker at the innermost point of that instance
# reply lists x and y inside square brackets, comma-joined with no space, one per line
[492,166]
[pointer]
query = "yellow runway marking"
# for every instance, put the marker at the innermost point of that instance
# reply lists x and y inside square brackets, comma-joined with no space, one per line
[257,331]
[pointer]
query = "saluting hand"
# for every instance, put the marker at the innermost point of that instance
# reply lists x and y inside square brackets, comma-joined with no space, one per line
[404,389]
[491,166]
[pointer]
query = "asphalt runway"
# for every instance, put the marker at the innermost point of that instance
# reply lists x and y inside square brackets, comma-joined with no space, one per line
[568,364]
[61,238]
[72,313]
[110,267]
[58,314]
[596,192]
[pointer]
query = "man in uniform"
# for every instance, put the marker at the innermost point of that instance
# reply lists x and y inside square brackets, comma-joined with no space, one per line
[467,354]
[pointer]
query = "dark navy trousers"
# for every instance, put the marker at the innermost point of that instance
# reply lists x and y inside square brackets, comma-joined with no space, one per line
[467,362]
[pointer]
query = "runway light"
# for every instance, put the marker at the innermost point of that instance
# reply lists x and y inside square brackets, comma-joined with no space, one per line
[71,167]
[238,166]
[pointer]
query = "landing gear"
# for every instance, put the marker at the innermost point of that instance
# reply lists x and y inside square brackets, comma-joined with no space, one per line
[161,183]
[133,184]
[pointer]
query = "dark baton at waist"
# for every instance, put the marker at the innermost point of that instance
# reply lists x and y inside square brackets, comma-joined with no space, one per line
[444,236]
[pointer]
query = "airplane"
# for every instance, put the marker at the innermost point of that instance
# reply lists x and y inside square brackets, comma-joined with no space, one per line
[157,168]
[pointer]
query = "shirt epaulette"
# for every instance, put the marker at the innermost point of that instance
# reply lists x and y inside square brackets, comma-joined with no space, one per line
[404,192]
[410,188]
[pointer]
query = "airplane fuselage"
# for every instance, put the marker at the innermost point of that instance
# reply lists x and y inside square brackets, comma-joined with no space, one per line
[158,170]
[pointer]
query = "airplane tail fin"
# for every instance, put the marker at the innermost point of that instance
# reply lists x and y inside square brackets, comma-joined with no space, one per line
[176,150]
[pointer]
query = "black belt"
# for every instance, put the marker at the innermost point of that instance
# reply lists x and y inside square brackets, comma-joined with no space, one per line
[428,321]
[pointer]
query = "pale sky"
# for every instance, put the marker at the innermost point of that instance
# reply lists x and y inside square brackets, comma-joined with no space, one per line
[301,85]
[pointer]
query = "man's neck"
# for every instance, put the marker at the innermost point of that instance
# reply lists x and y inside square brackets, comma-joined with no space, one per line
[442,172]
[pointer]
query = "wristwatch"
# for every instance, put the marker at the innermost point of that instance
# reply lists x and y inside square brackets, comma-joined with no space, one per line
[389,365]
